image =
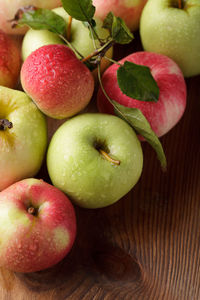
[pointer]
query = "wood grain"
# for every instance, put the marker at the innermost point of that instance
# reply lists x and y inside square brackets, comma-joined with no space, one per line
[147,245]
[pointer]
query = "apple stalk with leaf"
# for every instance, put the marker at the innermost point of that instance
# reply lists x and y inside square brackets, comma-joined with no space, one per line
[119,33]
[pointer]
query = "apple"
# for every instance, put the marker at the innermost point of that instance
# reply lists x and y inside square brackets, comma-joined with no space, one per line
[37,226]
[35,39]
[23,137]
[129,10]
[59,83]
[9,8]
[10,61]
[167,111]
[95,159]
[80,38]
[167,29]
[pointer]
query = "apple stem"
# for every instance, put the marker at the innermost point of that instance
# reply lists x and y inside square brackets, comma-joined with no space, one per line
[69,28]
[4,124]
[31,210]
[101,51]
[70,46]
[107,157]
[95,53]
[180,4]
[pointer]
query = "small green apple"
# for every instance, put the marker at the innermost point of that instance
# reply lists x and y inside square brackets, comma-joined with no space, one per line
[167,29]
[80,38]
[95,159]
[23,137]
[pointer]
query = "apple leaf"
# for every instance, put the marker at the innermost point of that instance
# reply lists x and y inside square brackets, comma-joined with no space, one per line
[82,10]
[137,82]
[119,32]
[135,118]
[38,18]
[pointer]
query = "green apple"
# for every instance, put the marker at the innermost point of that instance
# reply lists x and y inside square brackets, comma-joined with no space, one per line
[95,159]
[23,137]
[167,29]
[80,38]
[35,39]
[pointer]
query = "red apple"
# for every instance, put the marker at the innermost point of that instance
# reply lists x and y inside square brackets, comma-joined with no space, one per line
[162,115]
[37,226]
[57,81]
[10,61]
[129,10]
[9,8]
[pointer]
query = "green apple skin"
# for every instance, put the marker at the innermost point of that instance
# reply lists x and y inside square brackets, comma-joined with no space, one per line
[35,39]
[80,38]
[173,32]
[77,167]
[22,147]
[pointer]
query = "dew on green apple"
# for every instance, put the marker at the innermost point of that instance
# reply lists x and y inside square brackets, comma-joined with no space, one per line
[82,172]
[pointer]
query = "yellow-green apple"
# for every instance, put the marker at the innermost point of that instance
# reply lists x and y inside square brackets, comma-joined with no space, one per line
[95,159]
[129,10]
[57,81]
[167,111]
[79,38]
[37,226]
[173,30]
[35,39]
[23,137]
[10,61]
[8,9]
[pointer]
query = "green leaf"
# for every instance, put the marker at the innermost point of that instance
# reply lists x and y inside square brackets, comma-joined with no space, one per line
[43,19]
[138,122]
[82,10]
[137,82]
[88,26]
[119,32]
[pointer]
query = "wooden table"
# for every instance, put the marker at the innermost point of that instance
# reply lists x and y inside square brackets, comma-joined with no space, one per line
[146,246]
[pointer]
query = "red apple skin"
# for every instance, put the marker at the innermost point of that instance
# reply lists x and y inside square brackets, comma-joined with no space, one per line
[162,115]
[59,83]
[10,61]
[31,243]
[129,10]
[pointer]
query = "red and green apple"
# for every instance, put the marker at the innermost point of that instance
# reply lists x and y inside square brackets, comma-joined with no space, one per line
[79,38]
[37,226]
[162,115]
[57,81]
[128,10]
[8,9]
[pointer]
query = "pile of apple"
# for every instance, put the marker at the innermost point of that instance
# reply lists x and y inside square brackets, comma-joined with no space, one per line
[92,158]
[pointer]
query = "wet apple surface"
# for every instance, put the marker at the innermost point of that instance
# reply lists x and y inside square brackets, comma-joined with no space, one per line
[145,246]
